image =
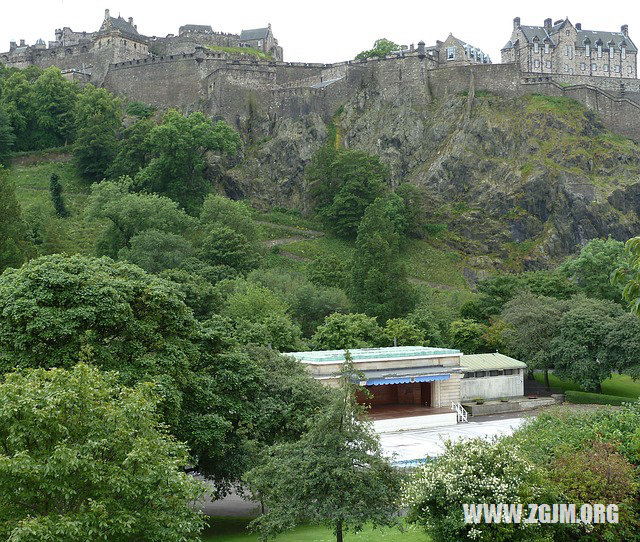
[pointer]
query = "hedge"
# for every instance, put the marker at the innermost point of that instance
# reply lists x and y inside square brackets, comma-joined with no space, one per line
[583,397]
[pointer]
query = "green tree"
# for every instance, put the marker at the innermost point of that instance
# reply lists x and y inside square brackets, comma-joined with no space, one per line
[7,138]
[401,332]
[220,211]
[155,250]
[468,336]
[57,311]
[199,294]
[98,118]
[133,150]
[531,325]
[591,271]
[54,102]
[341,331]
[424,319]
[328,270]
[178,147]
[627,275]
[335,474]
[84,458]
[132,213]
[17,100]
[379,286]
[381,48]
[580,350]
[223,246]
[55,190]
[343,184]
[13,233]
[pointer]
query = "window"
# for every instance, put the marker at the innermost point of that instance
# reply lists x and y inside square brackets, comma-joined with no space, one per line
[587,50]
[494,373]
[570,51]
[599,51]
[481,374]
[508,372]
[567,32]
[451,53]
[536,63]
[605,68]
[611,51]
[623,52]
[594,67]
[536,47]
[547,64]
[583,66]
[629,70]
[546,48]
[617,69]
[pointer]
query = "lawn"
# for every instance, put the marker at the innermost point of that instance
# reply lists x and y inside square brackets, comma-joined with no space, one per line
[225,529]
[619,385]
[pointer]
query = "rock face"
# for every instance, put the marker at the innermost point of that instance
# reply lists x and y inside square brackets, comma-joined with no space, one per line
[519,182]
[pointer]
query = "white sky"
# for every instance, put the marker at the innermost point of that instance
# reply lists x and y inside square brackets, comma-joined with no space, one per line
[318,31]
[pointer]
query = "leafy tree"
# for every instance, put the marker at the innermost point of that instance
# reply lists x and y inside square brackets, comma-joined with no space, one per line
[220,211]
[627,275]
[12,229]
[140,110]
[343,184]
[335,474]
[396,211]
[199,294]
[309,304]
[213,274]
[381,48]
[55,190]
[401,332]
[328,270]
[260,317]
[223,246]
[98,118]
[379,285]
[44,231]
[418,205]
[17,101]
[155,250]
[341,331]
[593,268]
[580,349]
[493,293]
[7,138]
[424,319]
[54,102]
[131,213]
[86,459]
[178,147]
[531,325]
[133,150]
[57,311]
[468,336]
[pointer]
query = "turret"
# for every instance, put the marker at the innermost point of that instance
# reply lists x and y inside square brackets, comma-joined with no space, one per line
[12,46]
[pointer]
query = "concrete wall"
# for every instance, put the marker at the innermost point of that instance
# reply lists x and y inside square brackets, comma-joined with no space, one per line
[446,392]
[492,387]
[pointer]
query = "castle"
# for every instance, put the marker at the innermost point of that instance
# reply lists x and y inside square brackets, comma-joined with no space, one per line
[239,76]
[567,49]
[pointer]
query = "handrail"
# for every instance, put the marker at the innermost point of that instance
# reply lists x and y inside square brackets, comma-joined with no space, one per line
[462,415]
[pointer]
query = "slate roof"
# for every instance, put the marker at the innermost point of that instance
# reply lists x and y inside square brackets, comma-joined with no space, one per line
[196,28]
[531,32]
[123,26]
[368,354]
[488,362]
[254,34]
[594,35]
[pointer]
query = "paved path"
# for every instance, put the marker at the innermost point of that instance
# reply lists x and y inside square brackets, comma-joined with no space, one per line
[418,444]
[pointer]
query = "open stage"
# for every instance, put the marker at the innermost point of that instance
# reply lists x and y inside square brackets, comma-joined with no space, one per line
[391,418]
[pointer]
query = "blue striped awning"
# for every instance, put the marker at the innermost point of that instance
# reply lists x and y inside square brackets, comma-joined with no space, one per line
[406,379]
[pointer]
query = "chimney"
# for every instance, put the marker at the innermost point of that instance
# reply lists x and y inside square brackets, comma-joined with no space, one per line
[625,30]
[13,46]
[516,23]
[578,26]
[131,21]
[22,43]
[106,14]
[547,24]
[421,50]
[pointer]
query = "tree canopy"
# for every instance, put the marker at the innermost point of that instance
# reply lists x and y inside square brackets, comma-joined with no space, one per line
[381,48]
[84,458]
[12,229]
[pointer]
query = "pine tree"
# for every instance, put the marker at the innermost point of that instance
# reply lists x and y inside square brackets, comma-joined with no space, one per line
[55,188]
[379,285]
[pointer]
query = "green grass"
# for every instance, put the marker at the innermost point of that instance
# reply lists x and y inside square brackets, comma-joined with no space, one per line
[235,530]
[617,385]
[241,50]
[74,234]
[585,398]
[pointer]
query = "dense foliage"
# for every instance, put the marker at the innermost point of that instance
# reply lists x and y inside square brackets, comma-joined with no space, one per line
[13,249]
[84,458]
[381,48]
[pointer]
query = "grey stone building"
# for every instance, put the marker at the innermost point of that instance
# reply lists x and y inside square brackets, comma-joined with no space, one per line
[566,49]
[455,52]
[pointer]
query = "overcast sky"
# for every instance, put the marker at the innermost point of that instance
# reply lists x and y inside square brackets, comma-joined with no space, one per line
[324,31]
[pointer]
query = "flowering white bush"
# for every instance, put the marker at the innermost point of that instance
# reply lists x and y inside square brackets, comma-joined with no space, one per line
[474,471]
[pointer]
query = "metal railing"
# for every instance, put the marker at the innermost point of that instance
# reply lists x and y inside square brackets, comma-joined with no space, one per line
[461,413]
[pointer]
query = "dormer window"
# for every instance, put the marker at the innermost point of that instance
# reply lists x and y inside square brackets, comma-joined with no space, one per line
[536,46]
[623,52]
[546,48]
[587,49]
[451,53]
[611,50]
[599,51]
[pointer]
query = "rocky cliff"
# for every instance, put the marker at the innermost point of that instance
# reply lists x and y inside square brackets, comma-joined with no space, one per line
[519,182]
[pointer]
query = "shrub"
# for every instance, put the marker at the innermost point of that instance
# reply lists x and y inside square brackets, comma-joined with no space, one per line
[586,398]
